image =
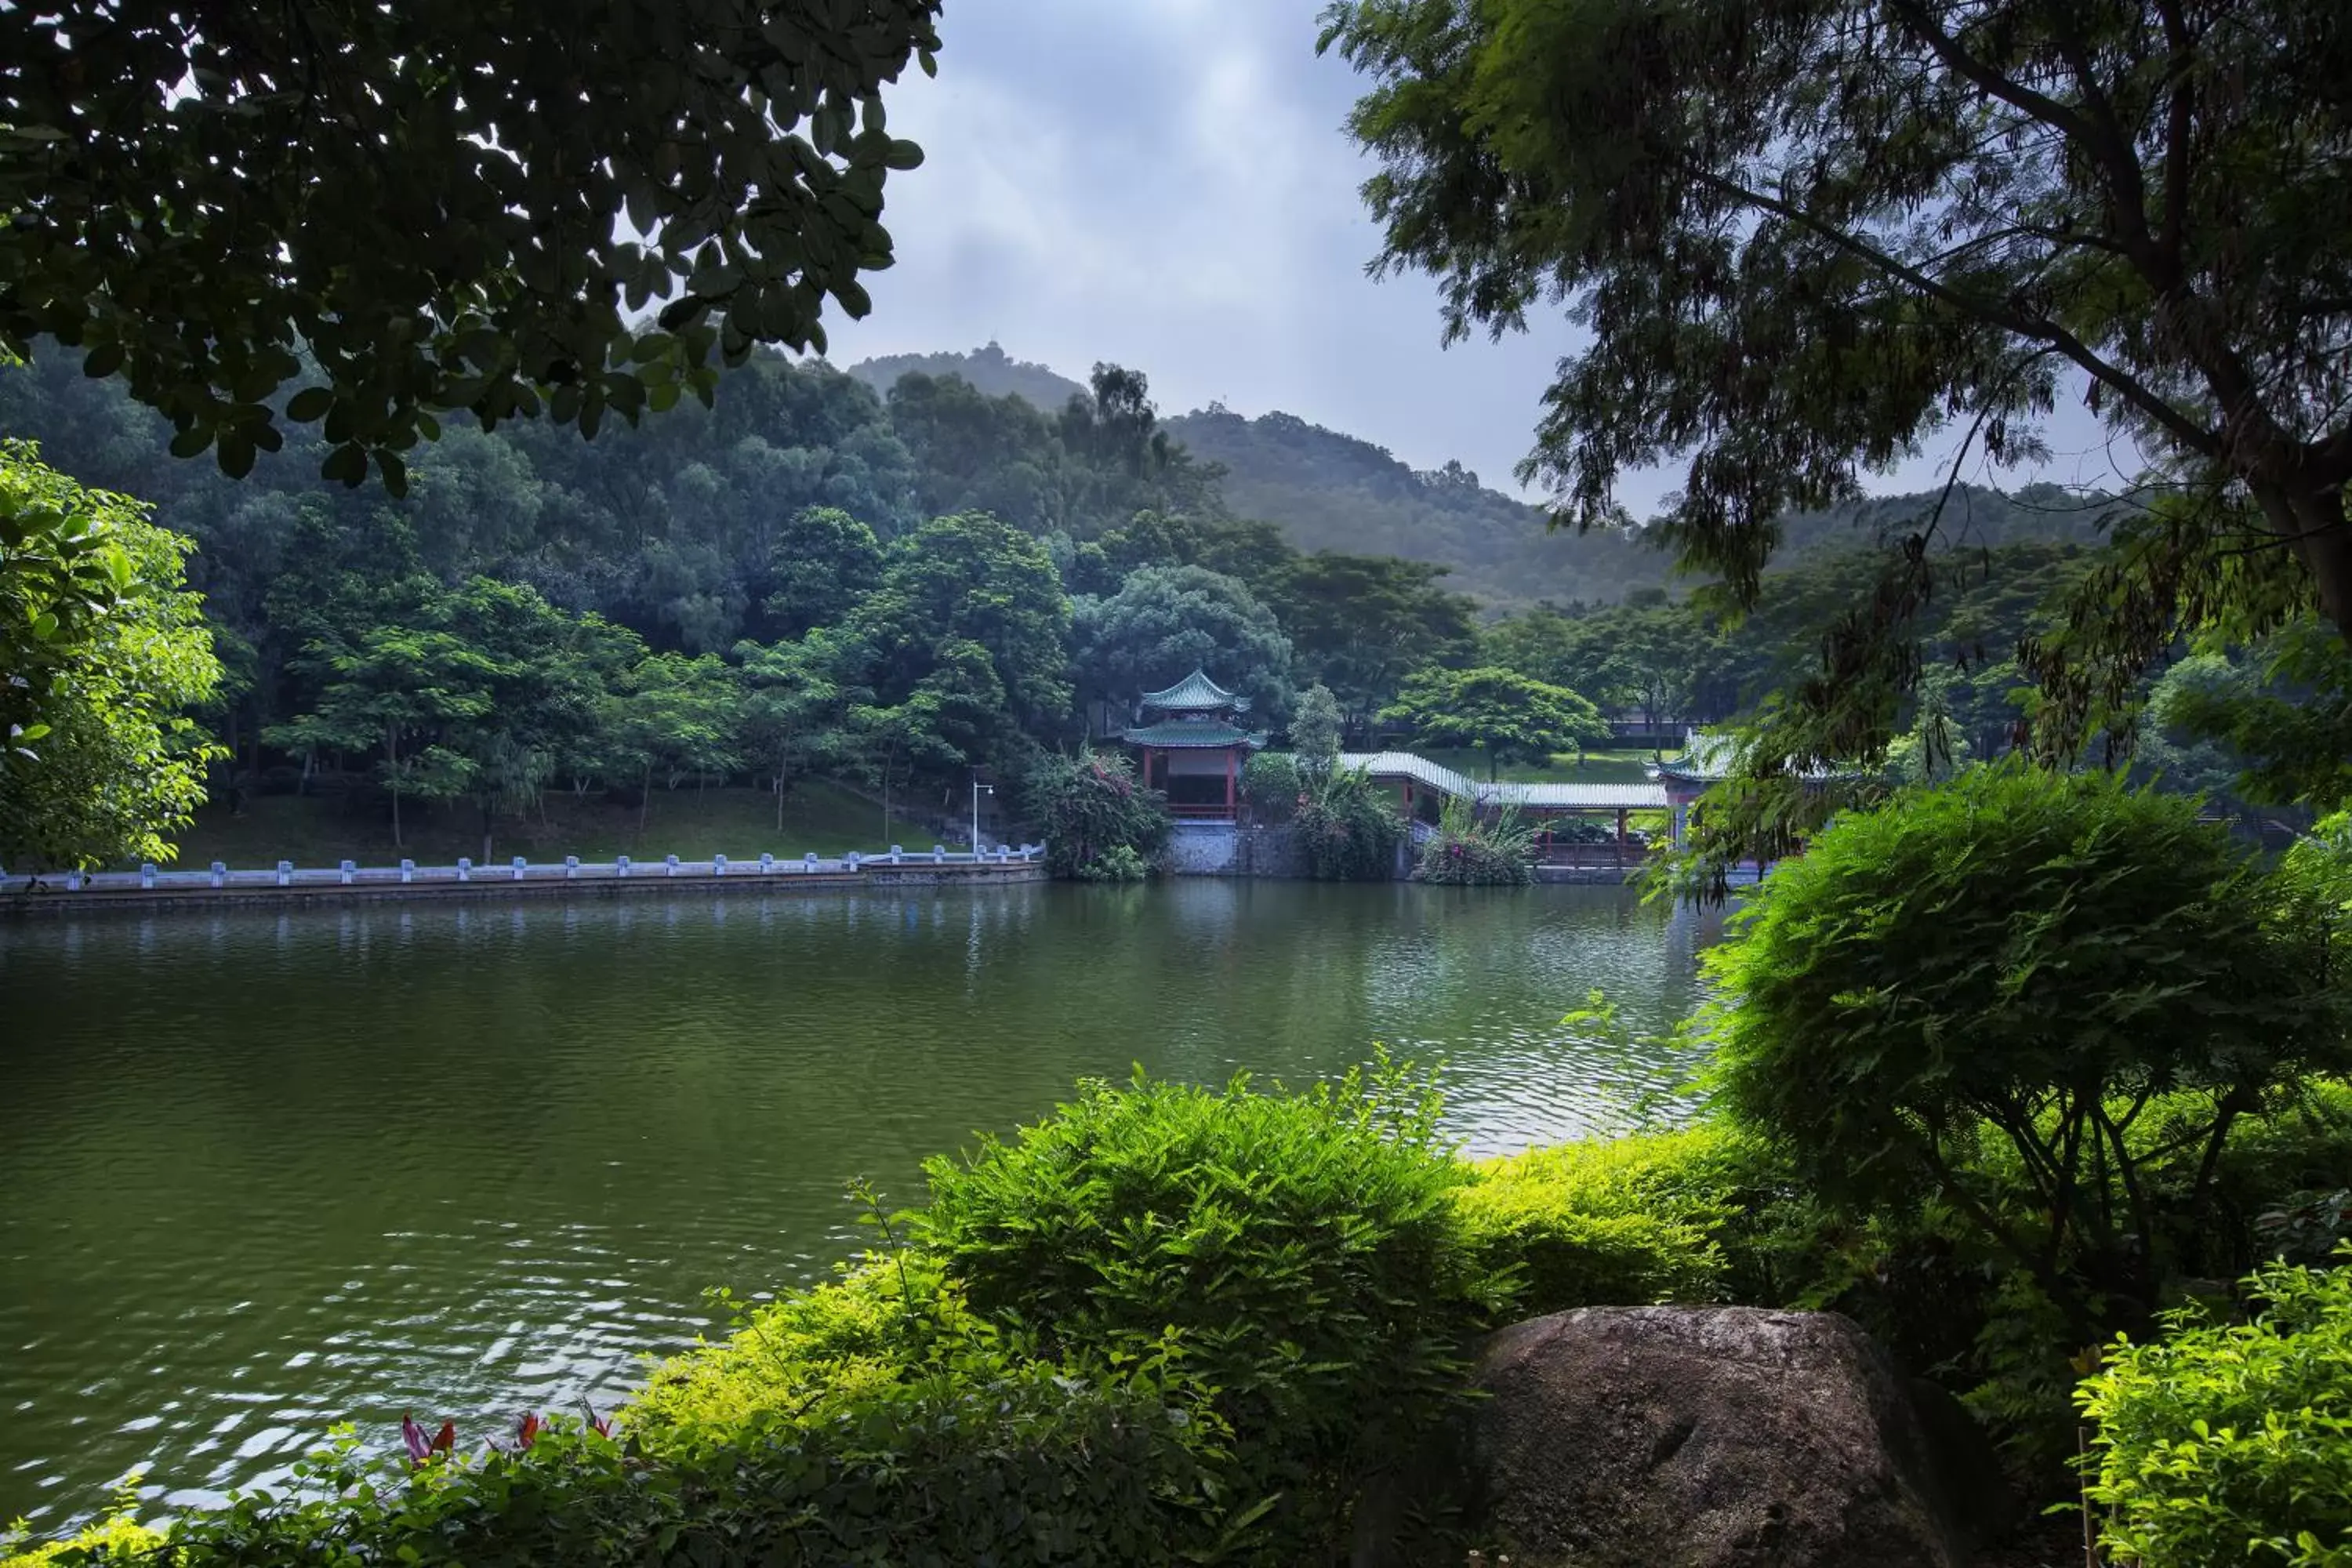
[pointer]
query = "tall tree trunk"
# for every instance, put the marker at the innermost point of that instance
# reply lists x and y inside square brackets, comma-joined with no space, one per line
[392,755]
[644,800]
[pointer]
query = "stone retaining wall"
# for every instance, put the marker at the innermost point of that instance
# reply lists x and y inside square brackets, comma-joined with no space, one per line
[150,888]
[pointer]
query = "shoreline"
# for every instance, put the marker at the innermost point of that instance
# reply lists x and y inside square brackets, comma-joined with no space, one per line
[290,889]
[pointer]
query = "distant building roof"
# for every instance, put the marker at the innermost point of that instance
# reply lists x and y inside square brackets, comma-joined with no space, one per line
[1193,734]
[1534,796]
[1709,756]
[1196,692]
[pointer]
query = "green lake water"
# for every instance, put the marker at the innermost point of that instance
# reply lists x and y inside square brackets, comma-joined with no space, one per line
[262,1172]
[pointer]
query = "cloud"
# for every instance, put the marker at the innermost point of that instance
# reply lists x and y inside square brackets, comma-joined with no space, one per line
[1165,184]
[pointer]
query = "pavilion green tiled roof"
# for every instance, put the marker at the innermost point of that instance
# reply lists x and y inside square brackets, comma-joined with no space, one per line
[1193,735]
[1196,692]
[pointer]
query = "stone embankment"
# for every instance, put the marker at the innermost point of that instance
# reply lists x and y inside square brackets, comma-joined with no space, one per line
[152,886]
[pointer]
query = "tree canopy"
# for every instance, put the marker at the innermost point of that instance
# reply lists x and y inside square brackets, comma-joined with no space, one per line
[103,652]
[1806,234]
[441,207]
[1166,620]
[1497,712]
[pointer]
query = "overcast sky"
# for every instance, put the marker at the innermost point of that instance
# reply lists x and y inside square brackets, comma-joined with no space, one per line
[1165,184]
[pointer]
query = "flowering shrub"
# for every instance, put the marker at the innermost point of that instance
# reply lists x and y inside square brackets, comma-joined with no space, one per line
[1469,850]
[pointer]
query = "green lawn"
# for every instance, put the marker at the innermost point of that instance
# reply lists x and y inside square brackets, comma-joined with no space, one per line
[736,823]
[1599,767]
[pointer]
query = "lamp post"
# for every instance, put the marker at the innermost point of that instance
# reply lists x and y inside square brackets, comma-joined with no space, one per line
[978,789]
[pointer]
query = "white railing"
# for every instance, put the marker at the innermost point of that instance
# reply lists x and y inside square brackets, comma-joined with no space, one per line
[218,877]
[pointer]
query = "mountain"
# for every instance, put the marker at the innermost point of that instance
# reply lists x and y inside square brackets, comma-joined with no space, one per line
[1329,492]
[989,370]
[1326,491]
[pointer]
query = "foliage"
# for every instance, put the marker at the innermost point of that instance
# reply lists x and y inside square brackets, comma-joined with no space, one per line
[2231,1443]
[1099,826]
[1298,1254]
[820,565]
[970,1449]
[1474,850]
[2284,715]
[422,204]
[1271,782]
[1361,624]
[1166,620]
[1500,712]
[792,706]
[1621,1222]
[103,651]
[1314,731]
[2021,962]
[1349,829]
[968,581]
[1920,217]
[1647,656]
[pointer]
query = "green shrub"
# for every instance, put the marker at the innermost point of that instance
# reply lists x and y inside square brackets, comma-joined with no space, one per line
[1272,783]
[2232,1444]
[1100,826]
[1471,851]
[872,1419]
[1977,992]
[1627,1221]
[1349,829]
[1302,1253]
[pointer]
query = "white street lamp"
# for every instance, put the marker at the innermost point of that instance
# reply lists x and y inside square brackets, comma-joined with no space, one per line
[978,789]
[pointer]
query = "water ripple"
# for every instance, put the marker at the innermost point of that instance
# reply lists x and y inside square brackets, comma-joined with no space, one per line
[264,1172]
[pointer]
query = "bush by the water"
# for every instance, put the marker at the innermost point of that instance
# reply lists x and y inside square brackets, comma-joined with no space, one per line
[2231,1443]
[1271,782]
[1301,1254]
[1634,1221]
[1472,850]
[1349,829]
[1987,997]
[1101,824]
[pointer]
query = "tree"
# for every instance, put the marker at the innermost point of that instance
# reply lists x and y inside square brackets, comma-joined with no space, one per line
[2026,961]
[102,653]
[1498,711]
[792,706]
[1166,620]
[1361,624]
[401,688]
[820,563]
[1649,658]
[430,202]
[1806,236]
[971,580]
[1315,730]
[1101,824]
[2283,716]
[678,716]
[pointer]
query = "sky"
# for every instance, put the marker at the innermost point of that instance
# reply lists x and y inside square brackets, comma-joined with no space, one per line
[1165,184]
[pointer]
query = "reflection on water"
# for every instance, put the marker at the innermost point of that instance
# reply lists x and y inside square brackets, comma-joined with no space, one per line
[264,1172]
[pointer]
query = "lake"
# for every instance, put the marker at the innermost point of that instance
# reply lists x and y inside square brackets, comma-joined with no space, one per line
[264,1172]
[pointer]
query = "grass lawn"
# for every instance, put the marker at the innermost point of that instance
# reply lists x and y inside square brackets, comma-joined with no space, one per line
[1598,767]
[740,824]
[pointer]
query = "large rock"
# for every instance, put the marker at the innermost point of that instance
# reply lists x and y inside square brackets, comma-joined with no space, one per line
[1711,1437]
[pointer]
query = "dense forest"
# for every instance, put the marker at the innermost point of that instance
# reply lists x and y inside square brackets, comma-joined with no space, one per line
[811,577]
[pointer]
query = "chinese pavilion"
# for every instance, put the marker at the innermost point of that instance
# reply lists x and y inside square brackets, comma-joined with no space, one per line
[1194,747]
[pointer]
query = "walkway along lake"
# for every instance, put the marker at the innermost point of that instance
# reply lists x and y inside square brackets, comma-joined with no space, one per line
[263,1171]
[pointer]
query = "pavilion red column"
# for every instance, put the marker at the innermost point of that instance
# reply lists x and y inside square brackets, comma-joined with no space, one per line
[1230,769]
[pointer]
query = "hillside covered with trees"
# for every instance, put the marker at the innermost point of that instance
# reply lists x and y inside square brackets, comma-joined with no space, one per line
[809,579]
